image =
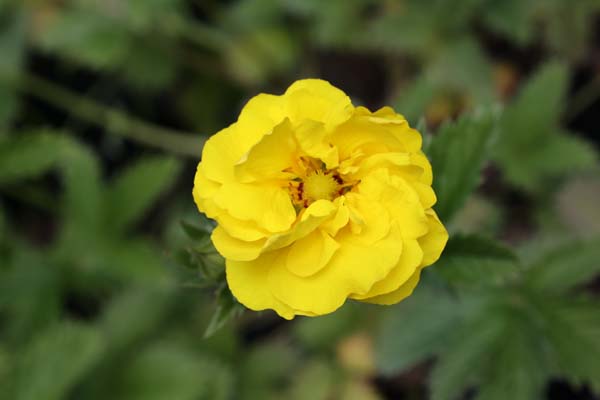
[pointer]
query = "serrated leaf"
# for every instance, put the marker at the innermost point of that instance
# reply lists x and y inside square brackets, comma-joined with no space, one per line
[460,366]
[415,330]
[457,155]
[519,367]
[29,155]
[474,261]
[572,328]
[137,188]
[531,146]
[194,232]
[565,266]
[227,309]
[56,360]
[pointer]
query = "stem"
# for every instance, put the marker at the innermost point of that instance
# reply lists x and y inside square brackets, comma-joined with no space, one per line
[113,120]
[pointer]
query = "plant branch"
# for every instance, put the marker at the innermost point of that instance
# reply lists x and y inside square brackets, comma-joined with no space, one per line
[112,120]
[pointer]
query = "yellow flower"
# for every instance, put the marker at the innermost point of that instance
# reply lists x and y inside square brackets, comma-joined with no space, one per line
[318,201]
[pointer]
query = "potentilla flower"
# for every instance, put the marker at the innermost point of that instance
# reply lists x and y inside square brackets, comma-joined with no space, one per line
[318,201]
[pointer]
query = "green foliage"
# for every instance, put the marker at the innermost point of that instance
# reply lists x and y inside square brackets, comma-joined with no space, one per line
[565,266]
[137,188]
[409,335]
[533,119]
[474,260]
[166,371]
[458,154]
[518,332]
[55,360]
[29,155]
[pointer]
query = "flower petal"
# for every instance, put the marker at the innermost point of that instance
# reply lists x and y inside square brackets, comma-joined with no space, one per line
[249,284]
[309,220]
[371,220]
[268,205]
[317,100]
[235,249]
[268,158]
[409,261]
[313,139]
[310,254]
[352,269]
[399,294]
[434,241]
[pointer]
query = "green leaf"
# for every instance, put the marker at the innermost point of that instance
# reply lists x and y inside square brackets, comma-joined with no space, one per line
[457,155]
[227,309]
[415,330]
[29,155]
[461,364]
[511,18]
[87,37]
[196,233]
[519,367]
[132,260]
[473,261]
[531,146]
[566,266]
[83,188]
[137,188]
[572,328]
[146,306]
[30,293]
[56,360]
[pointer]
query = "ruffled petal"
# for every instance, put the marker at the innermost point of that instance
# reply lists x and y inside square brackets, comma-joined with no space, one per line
[411,258]
[268,158]
[309,220]
[310,254]
[235,249]
[353,269]
[267,205]
[317,100]
[313,139]
[397,295]
[434,241]
[399,198]
[248,283]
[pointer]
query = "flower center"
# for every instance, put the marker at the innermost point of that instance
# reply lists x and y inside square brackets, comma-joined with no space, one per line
[318,185]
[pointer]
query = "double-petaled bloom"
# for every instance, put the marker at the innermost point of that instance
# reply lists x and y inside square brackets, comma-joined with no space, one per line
[318,201]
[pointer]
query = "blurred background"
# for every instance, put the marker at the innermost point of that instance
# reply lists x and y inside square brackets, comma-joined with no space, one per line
[106,294]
